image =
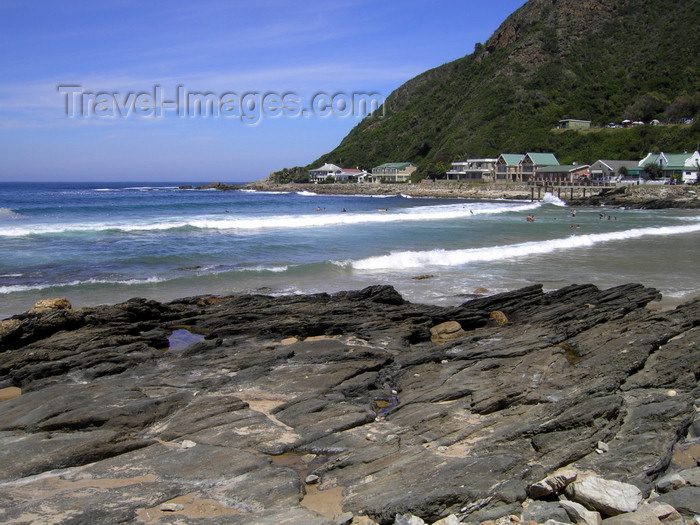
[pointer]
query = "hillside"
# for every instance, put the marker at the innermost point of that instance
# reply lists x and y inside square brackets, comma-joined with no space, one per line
[598,60]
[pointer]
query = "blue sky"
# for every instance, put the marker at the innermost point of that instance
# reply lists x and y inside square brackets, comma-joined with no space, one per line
[121,48]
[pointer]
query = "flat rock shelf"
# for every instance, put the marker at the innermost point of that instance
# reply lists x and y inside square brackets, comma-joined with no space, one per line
[360,395]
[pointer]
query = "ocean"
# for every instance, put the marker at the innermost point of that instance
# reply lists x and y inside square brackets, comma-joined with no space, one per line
[107,242]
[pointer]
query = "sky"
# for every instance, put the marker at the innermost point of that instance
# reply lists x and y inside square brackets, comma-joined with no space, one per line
[211,90]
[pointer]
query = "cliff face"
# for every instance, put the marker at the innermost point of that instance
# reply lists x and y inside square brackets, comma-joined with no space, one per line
[574,17]
[599,60]
[567,22]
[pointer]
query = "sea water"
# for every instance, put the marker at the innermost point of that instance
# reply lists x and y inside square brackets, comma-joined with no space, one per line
[105,243]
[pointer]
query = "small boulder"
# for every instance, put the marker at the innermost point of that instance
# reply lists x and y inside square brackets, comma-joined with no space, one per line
[50,304]
[344,519]
[407,519]
[650,514]
[551,485]
[691,476]
[499,317]
[685,500]
[541,511]
[312,479]
[447,331]
[670,482]
[580,514]
[609,497]
[171,507]
[9,324]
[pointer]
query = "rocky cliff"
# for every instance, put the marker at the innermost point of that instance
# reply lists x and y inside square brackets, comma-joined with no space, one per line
[237,409]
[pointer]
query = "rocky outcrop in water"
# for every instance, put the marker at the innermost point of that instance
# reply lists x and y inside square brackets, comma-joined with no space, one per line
[646,197]
[261,403]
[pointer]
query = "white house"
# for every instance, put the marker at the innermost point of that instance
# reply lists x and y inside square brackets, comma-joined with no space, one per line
[692,163]
[612,170]
[473,169]
[393,172]
[681,165]
[350,175]
[321,174]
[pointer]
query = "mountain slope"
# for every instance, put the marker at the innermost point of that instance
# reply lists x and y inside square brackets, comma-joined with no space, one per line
[599,60]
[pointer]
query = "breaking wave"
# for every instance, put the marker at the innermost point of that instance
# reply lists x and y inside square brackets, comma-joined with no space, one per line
[7,213]
[441,257]
[251,223]
[43,286]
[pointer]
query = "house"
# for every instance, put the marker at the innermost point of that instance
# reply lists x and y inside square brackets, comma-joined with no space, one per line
[564,172]
[532,162]
[321,174]
[350,175]
[683,166]
[508,167]
[612,170]
[393,172]
[473,169]
[692,172]
[572,123]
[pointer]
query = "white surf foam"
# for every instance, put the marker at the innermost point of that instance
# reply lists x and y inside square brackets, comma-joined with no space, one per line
[248,190]
[553,199]
[249,223]
[440,257]
[44,286]
[7,213]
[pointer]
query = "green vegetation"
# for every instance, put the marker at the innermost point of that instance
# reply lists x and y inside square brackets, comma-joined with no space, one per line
[295,174]
[601,61]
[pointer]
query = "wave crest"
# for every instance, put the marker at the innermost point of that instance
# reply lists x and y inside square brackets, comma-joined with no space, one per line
[249,223]
[440,257]
[7,213]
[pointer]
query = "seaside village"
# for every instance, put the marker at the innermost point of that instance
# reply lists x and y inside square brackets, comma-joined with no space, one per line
[661,168]
[654,168]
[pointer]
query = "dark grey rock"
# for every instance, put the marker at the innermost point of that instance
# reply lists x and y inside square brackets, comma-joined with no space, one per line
[404,425]
[691,476]
[686,500]
[541,511]
[344,519]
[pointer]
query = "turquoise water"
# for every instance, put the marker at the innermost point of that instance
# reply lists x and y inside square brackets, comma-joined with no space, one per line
[105,243]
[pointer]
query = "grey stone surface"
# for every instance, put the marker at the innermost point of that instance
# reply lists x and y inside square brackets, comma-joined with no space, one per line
[686,500]
[110,424]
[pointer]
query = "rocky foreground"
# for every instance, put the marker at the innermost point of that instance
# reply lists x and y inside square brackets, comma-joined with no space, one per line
[570,406]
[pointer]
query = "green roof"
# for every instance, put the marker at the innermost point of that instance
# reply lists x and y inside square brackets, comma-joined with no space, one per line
[543,159]
[512,159]
[649,160]
[677,160]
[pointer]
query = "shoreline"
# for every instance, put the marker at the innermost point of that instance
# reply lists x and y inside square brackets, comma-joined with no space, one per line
[639,197]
